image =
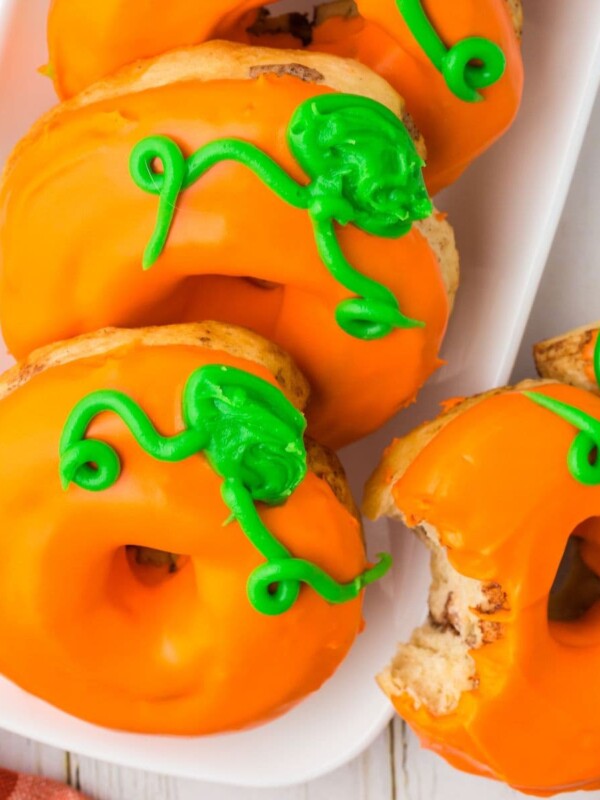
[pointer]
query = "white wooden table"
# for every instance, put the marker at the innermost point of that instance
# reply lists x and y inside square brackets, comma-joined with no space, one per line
[394,768]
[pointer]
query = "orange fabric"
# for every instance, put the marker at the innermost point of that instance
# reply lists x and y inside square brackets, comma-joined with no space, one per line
[100,636]
[496,485]
[75,225]
[14,786]
[88,44]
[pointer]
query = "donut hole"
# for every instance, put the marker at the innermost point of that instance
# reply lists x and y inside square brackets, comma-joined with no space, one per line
[273,22]
[249,301]
[576,587]
[260,284]
[151,567]
[290,17]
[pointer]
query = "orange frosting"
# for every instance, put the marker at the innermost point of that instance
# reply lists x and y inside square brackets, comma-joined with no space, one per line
[496,485]
[127,646]
[88,44]
[74,225]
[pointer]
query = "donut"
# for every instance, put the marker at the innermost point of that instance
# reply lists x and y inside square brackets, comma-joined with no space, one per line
[504,489]
[424,49]
[181,560]
[246,185]
[572,357]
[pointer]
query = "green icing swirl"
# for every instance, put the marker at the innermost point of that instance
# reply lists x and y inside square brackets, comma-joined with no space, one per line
[468,66]
[364,170]
[362,162]
[253,438]
[583,459]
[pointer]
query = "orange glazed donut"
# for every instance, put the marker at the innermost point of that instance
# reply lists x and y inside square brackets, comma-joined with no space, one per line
[424,49]
[138,607]
[225,182]
[502,679]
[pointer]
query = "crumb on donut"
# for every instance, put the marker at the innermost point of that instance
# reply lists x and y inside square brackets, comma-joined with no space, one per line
[411,126]
[515,8]
[300,71]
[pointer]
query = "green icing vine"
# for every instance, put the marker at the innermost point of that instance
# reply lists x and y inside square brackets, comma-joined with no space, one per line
[468,66]
[364,170]
[253,438]
[583,458]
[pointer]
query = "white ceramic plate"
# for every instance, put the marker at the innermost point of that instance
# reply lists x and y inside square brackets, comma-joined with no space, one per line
[505,211]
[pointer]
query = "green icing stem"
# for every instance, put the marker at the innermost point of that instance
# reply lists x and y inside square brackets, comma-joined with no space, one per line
[364,319]
[274,587]
[472,64]
[290,572]
[79,454]
[252,436]
[180,173]
[583,458]
[364,170]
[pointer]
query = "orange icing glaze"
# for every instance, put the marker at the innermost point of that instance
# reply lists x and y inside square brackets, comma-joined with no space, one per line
[455,132]
[88,42]
[73,228]
[128,647]
[496,485]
